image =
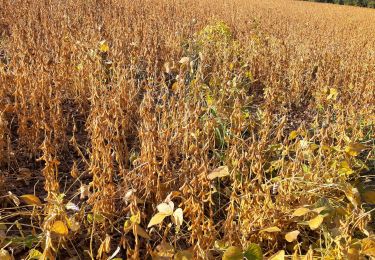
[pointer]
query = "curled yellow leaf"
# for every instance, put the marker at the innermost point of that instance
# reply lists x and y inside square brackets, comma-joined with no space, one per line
[31,199]
[316,222]
[291,236]
[219,172]
[271,229]
[300,212]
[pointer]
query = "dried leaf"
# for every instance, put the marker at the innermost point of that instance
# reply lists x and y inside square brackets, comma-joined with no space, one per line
[157,219]
[219,172]
[369,197]
[164,249]
[184,255]
[316,222]
[253,252]
[278,256]
[31,199]
[271,229]
[140,231]
[128,195]
[233,253]
[353,253]
[24,174]
[14,198]
[73,224]
[368,247]
[353,196]
[184,60]
[71,206]
[172,195]
[300,212]
[85,191]
[3,236]
[291,236]
[105,246]
[59,228]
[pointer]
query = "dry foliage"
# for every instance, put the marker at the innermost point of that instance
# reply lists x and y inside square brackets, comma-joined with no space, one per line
[186,129]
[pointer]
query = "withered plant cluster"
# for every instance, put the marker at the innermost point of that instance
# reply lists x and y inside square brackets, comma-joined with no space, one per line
[181,129]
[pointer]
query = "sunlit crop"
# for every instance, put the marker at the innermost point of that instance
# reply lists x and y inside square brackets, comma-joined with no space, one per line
[183,129]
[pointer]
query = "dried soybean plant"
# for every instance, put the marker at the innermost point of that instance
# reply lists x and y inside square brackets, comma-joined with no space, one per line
[186,130]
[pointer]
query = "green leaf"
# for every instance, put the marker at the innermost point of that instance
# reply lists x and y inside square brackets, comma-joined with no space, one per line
[253,252]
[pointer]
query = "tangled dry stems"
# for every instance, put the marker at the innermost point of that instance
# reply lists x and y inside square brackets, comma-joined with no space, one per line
[109,108]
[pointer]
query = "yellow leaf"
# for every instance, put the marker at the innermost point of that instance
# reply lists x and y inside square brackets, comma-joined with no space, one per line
[320,209]
[368,247]
[278,256]
[332,94]
[166,208]
[59,228]
[127,226]
[136,218]
[354,149]
[219,172]
[300,212]
[316,222]
[35,254]
[140,231]
[291,236]
[103,46]
[344,168]
[157,219]
[233,253]
[31,200]
[369,197]
[271,229]
[79,66]
[293,135]
[178,217]
[209,100]
[4,255]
